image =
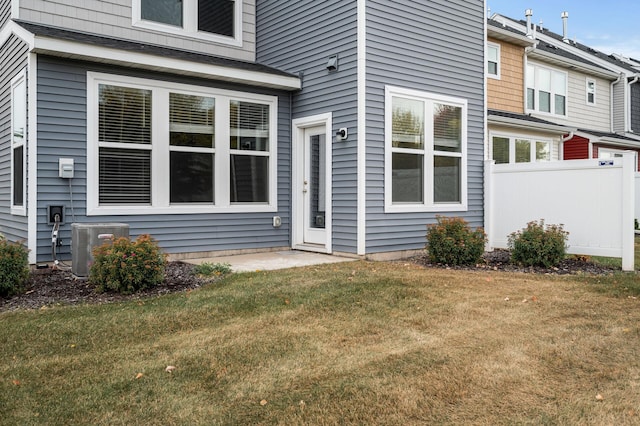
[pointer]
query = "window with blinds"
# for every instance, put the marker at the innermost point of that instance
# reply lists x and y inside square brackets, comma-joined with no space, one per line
[124,123]
[124,115]
[249,143]
[174,148]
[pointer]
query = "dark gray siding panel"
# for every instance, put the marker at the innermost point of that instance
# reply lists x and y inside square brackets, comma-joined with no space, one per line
[5,12]
[62,128]
[435,47]
[635,107]
[13,57]
[299,37]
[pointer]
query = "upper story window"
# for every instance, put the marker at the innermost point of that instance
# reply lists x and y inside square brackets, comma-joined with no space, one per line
[165,148]
[591,91]
[546,90]
[425,152]
[493,60]
[214,20]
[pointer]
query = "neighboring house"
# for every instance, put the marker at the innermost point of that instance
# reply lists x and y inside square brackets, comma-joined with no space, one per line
[515,136]
[215,129]
[602,99]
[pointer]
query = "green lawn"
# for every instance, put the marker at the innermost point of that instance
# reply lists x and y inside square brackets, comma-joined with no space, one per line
[351,343]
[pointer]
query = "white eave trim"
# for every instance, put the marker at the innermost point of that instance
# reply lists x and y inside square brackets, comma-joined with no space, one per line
[506,35]
[524,124]
[77,50]
[609,140]
[11,28]
[82,51]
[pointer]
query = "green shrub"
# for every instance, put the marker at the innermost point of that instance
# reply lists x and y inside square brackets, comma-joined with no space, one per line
[452,242]
[538,245]
[127,266]
[208,269]
[14,267]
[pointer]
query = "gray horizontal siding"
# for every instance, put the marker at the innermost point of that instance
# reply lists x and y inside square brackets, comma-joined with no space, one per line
[62,133]
[13,57]
[113,18]
[436,47]
[299,37]
[5,12]
[619,113]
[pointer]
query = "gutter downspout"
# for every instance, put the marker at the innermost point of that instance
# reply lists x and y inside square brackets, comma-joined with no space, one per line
[628,116]
[562,141]
[613,83]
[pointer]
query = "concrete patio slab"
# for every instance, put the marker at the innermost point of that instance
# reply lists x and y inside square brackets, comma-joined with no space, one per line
[272,260]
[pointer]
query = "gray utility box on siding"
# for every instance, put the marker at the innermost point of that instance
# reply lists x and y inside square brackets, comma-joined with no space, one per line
[86,236]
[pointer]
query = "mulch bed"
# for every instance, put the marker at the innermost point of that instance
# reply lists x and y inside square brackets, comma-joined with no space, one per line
[499,260]
[51,287]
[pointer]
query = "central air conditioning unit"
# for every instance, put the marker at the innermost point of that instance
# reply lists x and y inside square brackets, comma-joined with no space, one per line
[86,236]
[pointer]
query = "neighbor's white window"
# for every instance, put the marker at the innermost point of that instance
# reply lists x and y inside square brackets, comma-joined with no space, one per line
[170,148]
[493,60]
[215,20]
[591,91]
[18,143]
[507,149]
[546,90]
[426,145]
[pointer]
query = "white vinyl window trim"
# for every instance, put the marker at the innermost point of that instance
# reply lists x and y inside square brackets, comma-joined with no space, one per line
[590,91]
[190,23]
[546,80]
[160,149]
[19,141]
[493,57]
[533,141]
[428,152]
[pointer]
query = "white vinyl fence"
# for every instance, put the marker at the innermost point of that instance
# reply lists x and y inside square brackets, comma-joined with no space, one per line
[637,215]
[593,199]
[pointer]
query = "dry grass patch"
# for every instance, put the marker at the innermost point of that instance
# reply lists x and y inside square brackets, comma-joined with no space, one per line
[353,343]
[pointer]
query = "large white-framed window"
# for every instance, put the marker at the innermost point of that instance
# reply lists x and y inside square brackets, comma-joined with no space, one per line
[18,144]
[214,20]
[493,60]
[425,151]
[546,90]
[159,147]
[590,91]
[510,149]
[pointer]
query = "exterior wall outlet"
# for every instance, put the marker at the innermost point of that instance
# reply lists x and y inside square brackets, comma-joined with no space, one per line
[52,211]
[277,221]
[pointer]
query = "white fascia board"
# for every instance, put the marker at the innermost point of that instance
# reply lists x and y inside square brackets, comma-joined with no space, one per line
[11,28]
[523,124]
[506,35]
[71,49]
[609,140]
